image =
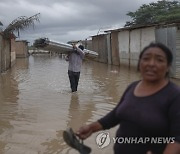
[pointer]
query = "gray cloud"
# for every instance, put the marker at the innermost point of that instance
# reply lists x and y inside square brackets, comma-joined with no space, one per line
[64,20]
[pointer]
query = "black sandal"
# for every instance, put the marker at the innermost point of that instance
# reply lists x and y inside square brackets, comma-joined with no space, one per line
[71,139]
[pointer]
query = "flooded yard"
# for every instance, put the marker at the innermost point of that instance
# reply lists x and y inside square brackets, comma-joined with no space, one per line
[36,103]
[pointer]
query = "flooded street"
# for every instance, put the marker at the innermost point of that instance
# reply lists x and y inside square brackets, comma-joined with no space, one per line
[36,104]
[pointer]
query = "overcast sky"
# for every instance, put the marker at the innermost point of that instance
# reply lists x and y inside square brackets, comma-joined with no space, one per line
[66,20]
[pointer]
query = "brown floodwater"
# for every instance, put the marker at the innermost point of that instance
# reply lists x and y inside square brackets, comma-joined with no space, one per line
[36,104]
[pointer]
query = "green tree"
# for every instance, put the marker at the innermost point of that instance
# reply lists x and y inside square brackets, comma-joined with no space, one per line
[161,11]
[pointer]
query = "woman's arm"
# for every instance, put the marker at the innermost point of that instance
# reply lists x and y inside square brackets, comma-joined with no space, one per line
[108,121]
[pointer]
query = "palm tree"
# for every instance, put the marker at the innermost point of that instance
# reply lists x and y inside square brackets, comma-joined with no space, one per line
[19,24]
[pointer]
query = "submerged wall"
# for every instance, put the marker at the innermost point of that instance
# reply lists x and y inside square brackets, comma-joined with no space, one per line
[5,54]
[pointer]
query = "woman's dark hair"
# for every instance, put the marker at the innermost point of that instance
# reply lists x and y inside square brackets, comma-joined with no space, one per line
[164,48]
[81,47]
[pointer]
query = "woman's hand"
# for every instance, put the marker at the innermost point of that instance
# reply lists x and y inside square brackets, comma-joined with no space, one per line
[87,130]
[84,132]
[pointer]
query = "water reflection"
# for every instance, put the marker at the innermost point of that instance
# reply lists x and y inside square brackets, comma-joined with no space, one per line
[36,104]
[78,114]
[8,107]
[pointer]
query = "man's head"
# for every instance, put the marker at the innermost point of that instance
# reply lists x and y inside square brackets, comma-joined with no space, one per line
[81,47]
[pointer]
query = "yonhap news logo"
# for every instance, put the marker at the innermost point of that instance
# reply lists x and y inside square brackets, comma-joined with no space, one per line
[103,139]
[143,140]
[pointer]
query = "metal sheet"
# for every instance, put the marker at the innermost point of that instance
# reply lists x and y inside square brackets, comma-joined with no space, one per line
[46,44]
[177,72]
[134,57]
[109,52]
[167,36]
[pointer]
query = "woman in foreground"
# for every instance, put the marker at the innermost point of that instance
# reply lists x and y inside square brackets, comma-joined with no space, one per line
[149,109]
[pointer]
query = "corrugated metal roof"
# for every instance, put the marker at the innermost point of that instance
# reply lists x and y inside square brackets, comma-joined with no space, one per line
[176,23]
[98,35]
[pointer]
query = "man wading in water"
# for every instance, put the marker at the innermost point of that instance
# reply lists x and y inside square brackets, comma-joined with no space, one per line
[75,59]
